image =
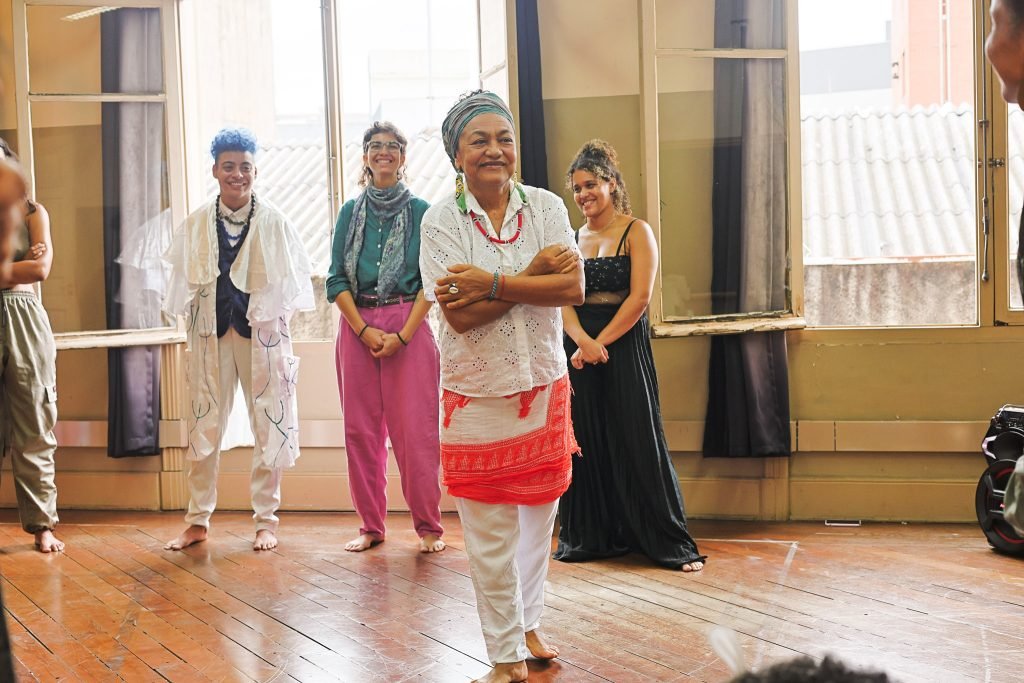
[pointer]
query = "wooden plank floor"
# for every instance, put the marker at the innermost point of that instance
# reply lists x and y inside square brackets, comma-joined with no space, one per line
[925,603]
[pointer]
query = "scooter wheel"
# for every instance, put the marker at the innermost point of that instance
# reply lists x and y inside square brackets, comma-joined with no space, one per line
[988,504]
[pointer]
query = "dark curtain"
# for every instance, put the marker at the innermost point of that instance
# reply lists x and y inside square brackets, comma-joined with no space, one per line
[533,153]
[748,379]
[128,41]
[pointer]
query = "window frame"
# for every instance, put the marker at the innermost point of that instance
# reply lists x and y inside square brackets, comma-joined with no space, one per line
[791,317]
[170,98]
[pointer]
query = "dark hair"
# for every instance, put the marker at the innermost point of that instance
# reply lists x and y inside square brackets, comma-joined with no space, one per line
[233,140]
[381,127]
[6,149]
[599,157]
[1016,8]
[806,670]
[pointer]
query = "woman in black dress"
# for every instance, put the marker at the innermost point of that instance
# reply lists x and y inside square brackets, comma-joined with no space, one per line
[624,495]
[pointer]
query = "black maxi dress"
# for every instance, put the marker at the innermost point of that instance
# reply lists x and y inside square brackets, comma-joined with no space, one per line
[624,495]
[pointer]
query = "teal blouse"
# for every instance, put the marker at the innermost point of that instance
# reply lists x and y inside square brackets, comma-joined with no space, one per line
[368,265]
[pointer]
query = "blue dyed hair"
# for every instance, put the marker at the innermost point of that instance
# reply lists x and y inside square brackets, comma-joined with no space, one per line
[233,140]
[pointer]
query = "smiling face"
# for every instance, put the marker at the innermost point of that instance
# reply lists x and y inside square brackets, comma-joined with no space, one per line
[235,172]
[487,151]
[1004,48]
[384,156]
[591,194]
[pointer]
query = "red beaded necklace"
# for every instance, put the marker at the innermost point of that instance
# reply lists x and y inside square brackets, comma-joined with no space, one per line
[497,240]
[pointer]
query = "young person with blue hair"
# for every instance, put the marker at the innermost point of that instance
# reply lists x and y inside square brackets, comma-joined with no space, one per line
[239,272]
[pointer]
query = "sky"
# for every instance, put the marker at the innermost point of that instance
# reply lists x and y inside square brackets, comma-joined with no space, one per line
[841,23]
[364,26]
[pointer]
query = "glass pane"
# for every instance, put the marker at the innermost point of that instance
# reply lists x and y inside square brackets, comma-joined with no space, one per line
[722,156]
[493,49]
[705,24]
[413,78]
[278,92]
[76,49]
[101,172]
[1015,183]
[888,163]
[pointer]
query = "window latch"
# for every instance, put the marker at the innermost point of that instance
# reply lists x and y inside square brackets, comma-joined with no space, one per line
[997,162]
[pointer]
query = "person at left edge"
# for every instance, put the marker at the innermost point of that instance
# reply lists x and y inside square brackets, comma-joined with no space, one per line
[239,272]
[28,374]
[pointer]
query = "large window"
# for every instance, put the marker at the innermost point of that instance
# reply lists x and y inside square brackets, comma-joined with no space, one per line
[401,60]
[717,95]
[114,123]
[830,163]
[261,65]
[427,58]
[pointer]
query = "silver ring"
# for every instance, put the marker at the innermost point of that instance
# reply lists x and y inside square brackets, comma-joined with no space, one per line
[452,289]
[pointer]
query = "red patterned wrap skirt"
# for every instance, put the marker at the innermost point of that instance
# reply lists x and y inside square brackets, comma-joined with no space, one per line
[513,450]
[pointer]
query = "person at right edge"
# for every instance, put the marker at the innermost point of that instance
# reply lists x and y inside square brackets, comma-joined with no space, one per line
[624,495]
[1004,48]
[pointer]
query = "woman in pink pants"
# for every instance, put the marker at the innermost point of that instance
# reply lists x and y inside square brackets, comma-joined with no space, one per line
[387,359]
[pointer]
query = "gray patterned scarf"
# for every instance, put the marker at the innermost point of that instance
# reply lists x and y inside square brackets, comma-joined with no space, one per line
[386,204]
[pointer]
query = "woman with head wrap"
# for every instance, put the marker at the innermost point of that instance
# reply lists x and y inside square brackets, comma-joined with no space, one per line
[387,358]
[625,493]
[503,260]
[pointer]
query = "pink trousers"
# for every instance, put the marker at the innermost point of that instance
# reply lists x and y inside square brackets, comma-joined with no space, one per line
[397,396]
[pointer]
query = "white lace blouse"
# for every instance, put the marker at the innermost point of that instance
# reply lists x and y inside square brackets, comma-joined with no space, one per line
[523,348]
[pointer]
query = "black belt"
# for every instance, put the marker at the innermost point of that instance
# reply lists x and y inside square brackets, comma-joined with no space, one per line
[374,301]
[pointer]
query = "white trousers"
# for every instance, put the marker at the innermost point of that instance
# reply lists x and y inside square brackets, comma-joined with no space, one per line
[508,548]
[265,482]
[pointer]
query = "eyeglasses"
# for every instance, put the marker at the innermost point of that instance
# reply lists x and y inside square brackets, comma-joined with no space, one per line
[377,146]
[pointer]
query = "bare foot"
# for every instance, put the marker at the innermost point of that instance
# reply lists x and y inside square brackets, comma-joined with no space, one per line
[538,647]
[265,540]
[514,672]
[363,542]
[693,566]
[46,542]
[190,536]
[431,543]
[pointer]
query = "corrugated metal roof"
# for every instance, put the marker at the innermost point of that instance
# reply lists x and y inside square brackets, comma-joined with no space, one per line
[294,178]
[892,184]
[876,184]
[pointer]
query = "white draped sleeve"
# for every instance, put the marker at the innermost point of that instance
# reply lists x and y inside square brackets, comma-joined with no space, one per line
[273,268]
[192,258]
[177,293]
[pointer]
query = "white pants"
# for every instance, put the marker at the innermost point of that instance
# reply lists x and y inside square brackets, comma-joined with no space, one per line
[508,548]
[265,483]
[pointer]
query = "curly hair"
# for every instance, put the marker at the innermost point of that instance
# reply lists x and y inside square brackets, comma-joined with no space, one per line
[1016,8]
[233,140]
[599,157]
[806,670]
[381,127]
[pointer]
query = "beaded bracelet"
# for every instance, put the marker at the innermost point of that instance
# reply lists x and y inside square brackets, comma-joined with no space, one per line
[494,286]
[399,335]
[360,335]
